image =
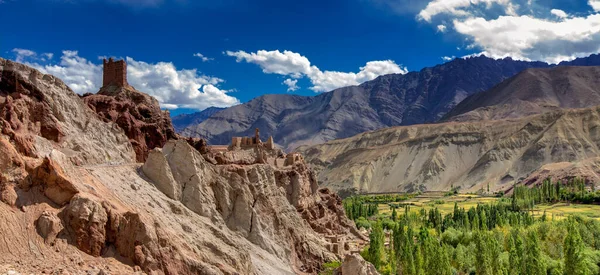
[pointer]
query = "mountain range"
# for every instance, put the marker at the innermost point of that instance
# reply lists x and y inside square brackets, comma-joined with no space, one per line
[183,121]
[390,100]
[533,91]
[495,138]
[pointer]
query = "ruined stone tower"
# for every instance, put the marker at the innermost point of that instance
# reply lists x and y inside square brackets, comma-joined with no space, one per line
[115,73]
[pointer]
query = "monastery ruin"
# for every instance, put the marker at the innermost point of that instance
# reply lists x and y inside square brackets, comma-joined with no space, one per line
[247,142]
[114,73]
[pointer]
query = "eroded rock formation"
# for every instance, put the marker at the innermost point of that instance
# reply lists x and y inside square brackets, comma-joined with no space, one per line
[138,114]
[262,203]
[70,182]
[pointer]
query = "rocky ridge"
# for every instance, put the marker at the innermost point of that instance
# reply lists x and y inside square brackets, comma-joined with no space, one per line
[180,122]
[138,114]
[468,155]
[75,200]
[531,92]
[389,100]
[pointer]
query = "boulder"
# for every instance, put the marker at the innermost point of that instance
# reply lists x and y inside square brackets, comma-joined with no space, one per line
[48,225]
[356,265]
[86,219]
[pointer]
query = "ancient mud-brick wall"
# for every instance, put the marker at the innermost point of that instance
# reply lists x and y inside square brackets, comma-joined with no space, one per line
[115,73]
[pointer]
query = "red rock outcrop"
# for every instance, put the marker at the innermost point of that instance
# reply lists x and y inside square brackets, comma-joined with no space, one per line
[138,114]
[588,170]
[69,183]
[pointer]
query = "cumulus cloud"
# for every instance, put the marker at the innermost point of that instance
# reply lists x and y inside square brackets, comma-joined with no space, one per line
[529,38]
[448,58]
[539,33]
[203,58]
[441,28]
[276,62]
[22,54]
[559,13]
[595,4]
[293,64]
[461,8]
[172,87]
[292,84]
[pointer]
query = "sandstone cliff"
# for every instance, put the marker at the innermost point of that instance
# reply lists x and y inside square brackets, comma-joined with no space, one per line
[468,154]
[73,198]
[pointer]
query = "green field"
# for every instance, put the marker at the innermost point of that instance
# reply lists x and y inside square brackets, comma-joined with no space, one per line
[446,205]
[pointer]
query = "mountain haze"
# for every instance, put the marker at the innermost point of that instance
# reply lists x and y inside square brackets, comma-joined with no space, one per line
[389,100]
[183,121]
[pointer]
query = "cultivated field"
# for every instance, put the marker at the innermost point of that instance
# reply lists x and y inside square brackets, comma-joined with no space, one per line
[446,205]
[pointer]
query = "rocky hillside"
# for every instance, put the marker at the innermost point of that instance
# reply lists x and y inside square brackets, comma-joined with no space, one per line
[180,122]
[467,154]
[74,200]
[390,100]
[533,91]
[138,114]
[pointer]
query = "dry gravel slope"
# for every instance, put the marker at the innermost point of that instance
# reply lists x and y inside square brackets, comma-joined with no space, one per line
[466,154]
[533,91]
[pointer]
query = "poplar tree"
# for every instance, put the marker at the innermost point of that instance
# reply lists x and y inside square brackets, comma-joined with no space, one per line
[534,264]
[482,256]
[418,260]
[573,248]
[376,245]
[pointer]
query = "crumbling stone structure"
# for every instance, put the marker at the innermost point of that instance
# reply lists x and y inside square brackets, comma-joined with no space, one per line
[246,142]
[292,158]
[114,73]
[336,244]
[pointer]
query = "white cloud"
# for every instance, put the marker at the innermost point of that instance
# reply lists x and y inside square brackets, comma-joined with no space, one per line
[595,4]
[559,13]
[182,88]
[276,62]
[530,38]
[295,65]
[448,58]
[541,33]
[204,58]
[461,7]
[172,87]
[48,56]
[441,28]
[292,84]
[22,54]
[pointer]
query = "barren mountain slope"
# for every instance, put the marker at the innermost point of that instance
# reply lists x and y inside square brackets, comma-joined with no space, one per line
[533,91]
[73,200]
[468,154]
[183,121]
[390,100]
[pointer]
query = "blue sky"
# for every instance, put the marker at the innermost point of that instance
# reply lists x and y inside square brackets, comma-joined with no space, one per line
[306,47]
